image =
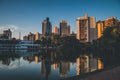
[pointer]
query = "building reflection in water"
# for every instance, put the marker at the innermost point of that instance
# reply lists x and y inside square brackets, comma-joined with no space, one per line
[100,64]
[46,68]
[36,59]
[55,66]
[64,68]
[82,64]
[86,63]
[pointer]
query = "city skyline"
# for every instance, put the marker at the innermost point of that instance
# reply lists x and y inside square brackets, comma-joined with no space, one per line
[27,16]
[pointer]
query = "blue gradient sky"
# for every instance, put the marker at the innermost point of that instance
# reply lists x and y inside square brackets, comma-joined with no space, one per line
[27,15]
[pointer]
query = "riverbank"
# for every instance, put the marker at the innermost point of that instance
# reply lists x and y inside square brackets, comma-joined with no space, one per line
[112,73]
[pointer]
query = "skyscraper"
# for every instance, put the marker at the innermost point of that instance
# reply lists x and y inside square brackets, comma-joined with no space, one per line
[64,28]
[86,28]
[46,27]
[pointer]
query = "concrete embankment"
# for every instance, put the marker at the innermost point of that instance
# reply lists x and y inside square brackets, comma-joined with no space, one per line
[109,74]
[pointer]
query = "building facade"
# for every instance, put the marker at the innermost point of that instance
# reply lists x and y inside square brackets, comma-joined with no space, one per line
[8,34]
[46,27]
[56,30]
[25,37]
[31,36]
[86,28]
[38,36]
[100,28]
[64,28]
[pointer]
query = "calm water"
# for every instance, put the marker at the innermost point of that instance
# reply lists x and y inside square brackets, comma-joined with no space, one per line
[36,66]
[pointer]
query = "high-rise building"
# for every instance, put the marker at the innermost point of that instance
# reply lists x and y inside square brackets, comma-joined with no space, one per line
[38,36]
[56,30]
[46,27]
[100,28]
[64,28]
[8,33]
[86,28]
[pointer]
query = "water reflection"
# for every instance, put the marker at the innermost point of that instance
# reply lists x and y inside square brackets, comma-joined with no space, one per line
[64,68]
[46,66]
[55,66]
[87,63]
[100,64]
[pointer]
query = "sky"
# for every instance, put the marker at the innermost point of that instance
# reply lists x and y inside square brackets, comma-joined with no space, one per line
[27,15]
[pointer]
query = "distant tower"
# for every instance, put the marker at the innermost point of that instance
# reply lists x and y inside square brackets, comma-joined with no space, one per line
[46,27]
[19,35]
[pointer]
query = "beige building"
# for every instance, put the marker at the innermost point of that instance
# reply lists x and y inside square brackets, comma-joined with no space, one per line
[64,28]
[56,30]
[100,64]
[100,28]
[31,36]
[55,66]
[86,28]
[38,36]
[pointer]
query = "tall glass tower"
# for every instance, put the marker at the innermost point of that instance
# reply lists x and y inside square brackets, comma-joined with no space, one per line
[46,27]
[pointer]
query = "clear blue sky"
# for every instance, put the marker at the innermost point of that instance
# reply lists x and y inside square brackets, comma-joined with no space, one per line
[27,15]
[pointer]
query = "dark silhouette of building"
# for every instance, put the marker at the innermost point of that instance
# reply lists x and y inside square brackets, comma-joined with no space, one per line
[8,33]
